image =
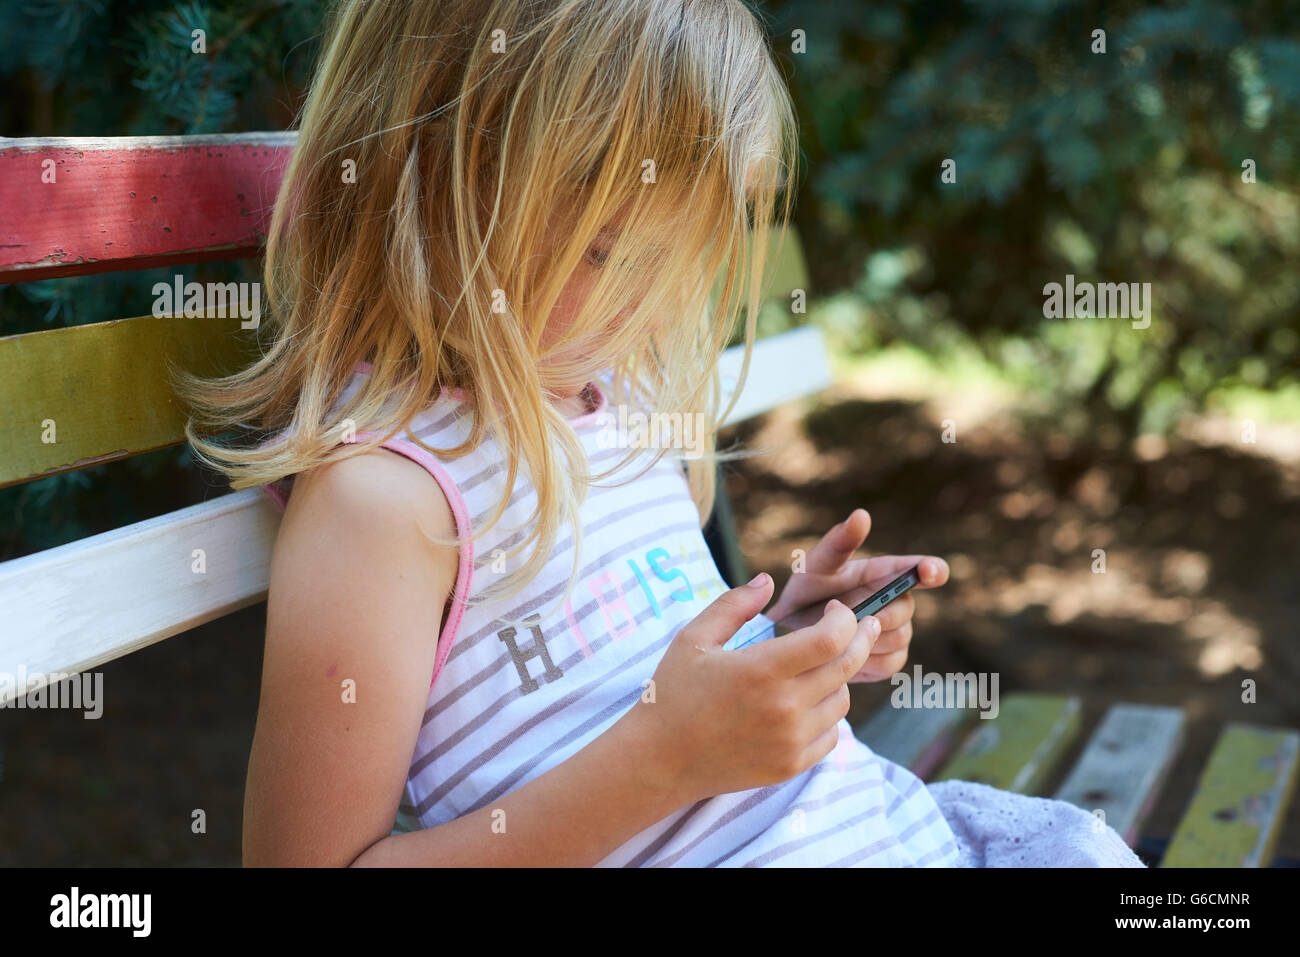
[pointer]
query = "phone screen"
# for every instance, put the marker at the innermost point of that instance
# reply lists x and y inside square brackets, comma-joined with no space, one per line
[864,600]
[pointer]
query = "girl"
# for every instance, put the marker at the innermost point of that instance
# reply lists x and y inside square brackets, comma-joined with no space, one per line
[494,634]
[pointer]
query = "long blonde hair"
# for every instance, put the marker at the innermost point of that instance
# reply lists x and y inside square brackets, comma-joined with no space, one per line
[478,131]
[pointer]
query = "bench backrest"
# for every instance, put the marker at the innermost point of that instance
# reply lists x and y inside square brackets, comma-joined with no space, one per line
[79,206]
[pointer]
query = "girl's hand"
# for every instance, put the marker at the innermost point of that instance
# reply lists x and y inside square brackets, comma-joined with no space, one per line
[715,721]
[831,569]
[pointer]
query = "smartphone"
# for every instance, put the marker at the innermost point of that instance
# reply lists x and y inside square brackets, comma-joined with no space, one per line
[864,600]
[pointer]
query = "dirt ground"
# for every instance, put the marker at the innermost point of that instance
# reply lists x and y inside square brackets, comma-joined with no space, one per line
[1200,592]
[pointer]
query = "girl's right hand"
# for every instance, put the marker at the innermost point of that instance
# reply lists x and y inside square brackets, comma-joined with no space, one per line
[723,721]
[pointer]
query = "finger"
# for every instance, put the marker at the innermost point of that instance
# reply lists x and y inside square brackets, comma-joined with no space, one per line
[825,743]
[818,682]
[897,613]
[896,639]
[838,545]
[725,616]
[878,668]
[827,712]
[934,571]
[806,648]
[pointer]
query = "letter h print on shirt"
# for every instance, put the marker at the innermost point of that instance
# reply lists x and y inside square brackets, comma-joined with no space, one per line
[537,649]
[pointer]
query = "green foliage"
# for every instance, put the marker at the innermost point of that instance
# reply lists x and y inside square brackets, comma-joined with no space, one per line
[128,67]
[1122,166]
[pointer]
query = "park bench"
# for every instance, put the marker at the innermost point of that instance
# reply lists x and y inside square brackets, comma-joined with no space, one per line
[136,203]
[1233,819]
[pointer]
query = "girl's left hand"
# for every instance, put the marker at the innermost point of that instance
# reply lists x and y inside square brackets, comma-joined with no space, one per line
[831,569]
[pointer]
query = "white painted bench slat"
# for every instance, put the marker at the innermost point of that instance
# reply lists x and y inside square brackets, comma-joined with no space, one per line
[782,368]
[1122,768]
[87,602]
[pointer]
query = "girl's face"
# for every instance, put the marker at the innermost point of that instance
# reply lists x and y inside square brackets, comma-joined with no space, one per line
[572,298]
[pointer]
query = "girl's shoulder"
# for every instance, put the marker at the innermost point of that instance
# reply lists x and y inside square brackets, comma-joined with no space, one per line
[373,489]
[376,513]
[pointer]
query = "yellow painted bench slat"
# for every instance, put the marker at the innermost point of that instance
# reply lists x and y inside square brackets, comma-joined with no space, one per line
[1017,750]
[101,391]
[1237,811]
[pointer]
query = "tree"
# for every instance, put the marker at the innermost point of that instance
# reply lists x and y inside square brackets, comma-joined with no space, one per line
[1116,142]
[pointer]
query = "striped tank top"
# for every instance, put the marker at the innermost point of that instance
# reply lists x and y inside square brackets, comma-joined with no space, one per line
[508,703]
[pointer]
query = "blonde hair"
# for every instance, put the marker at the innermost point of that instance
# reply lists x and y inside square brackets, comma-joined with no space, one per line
[492,141]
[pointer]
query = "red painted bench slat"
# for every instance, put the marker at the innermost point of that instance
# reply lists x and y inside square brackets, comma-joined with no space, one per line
[123,203]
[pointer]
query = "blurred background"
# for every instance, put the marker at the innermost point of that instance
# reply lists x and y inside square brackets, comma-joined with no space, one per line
[1171,158]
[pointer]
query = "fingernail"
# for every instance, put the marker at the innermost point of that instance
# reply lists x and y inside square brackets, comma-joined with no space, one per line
[873,625]
[829,605]
[758,581]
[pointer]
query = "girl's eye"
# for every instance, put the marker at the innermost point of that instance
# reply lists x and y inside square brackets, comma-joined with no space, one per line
[596,257]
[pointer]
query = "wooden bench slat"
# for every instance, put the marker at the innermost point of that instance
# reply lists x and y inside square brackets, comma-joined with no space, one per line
[916,738]
[1237,811]
[770,381]
[90,601]
[1017,750]
[1124,765]
[121,203]
[104,387]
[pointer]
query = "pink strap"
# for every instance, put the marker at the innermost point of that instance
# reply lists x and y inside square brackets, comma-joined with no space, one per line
[465,570]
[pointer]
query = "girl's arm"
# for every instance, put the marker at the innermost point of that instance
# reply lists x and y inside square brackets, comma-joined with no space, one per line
[350,645]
